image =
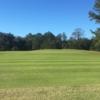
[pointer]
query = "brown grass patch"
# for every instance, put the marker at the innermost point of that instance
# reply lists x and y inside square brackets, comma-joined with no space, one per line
[52,93]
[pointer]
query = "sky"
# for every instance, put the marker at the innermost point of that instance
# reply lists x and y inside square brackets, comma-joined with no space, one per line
[21,17]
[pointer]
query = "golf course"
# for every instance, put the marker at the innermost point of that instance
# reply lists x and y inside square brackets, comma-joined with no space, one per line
[50,75]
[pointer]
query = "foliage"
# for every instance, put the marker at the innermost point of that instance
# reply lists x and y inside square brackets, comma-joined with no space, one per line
[95,13]
[43,41]
[77,34]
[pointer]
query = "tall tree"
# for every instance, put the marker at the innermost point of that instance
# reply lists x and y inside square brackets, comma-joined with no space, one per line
[29,38]
[77,34]
[37,41]
[6,41]
[62,37]
[95,13]
[19,43]
[96,40]
[49,41]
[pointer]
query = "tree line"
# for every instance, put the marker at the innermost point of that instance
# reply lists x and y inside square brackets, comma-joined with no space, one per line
[49,41]
[45,41]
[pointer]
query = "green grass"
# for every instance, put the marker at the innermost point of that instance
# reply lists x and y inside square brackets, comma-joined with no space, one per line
[50,75]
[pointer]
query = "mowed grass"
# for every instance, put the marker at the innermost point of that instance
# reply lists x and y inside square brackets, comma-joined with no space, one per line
[50,75]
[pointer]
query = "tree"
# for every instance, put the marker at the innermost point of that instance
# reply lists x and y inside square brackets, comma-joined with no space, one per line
[96,40]
[49,41]
[37,41]
[19,44]
[6,41]
[77,41]
[95,13]
[28,40]
[58,41]
[62,40]
[77,34]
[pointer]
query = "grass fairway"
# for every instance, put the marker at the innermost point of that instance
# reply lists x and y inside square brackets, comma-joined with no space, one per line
[50,75]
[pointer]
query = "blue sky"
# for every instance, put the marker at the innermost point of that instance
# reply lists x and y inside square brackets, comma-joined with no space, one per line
[23,16]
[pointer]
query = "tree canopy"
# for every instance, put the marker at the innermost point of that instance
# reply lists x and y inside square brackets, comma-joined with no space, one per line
[42,41]
[95,13]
